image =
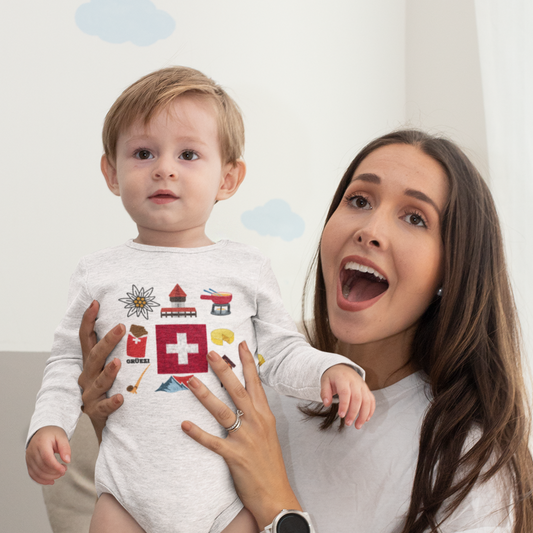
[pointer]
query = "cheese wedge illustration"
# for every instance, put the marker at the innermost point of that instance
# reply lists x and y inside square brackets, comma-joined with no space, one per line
[218,336]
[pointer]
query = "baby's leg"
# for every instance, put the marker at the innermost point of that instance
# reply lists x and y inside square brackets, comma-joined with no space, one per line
[110,517]
[244,522]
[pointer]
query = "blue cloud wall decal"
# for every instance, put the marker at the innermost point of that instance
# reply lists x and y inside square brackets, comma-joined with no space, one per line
[121,21]
[276,219]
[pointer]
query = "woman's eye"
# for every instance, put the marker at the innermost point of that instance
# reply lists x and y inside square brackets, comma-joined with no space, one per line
[415,220]
[189,155]
[360,202]
[143,154]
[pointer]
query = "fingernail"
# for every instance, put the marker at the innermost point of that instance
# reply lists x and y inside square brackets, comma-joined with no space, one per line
[244,343]
[213,356]
[118,330]
[186,426]
[67,458]
[92,304]
[193,382]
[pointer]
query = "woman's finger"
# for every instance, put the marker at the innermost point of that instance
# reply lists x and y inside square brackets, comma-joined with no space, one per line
[94,395]
[231,382]
[253,382]
[87,333]
[94,362]
[223,414]
[215,444]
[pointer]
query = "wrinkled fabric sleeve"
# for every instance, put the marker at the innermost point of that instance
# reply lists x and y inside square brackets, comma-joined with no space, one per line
[59,399]
[291,366]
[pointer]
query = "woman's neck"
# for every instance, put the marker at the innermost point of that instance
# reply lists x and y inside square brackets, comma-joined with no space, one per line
[386,361]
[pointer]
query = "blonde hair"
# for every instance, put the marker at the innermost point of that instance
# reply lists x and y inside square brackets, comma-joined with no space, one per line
[157,90]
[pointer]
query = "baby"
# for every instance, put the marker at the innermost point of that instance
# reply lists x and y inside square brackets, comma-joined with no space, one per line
[173,143]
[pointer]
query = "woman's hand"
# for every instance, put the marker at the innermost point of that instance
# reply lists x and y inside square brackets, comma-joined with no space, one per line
[252,452]
[96,379]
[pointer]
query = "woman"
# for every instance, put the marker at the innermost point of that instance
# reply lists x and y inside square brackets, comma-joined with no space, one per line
[410,284]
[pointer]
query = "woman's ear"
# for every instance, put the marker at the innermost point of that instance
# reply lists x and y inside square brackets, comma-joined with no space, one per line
[232,177]
[110,174]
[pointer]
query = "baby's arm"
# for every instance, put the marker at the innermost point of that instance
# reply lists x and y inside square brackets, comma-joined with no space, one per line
[355,398]
[292,367]
[42,463]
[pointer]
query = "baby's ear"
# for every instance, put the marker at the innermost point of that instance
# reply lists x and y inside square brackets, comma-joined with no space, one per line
[110,174]
[232,177]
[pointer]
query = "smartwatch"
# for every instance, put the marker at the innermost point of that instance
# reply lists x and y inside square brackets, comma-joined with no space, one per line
[290,521]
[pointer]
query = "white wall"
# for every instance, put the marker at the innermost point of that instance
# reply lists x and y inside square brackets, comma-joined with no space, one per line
[315,81]
[443,74]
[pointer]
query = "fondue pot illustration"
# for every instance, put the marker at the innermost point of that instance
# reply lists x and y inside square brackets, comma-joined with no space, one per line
[220,301]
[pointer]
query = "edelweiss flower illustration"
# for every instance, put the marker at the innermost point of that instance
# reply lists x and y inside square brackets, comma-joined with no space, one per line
[139,301]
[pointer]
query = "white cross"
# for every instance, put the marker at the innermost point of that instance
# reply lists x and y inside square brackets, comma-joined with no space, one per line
[182,349]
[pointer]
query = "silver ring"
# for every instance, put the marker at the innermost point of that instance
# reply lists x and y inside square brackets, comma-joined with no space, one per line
[237,424]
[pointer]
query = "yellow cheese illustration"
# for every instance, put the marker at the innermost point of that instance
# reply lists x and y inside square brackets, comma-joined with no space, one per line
[218,336]
[260,358]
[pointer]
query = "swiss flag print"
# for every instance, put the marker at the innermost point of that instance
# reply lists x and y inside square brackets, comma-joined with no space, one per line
[181,348]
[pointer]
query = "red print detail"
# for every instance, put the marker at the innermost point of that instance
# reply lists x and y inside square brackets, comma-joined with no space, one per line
[181,348]
[136,346]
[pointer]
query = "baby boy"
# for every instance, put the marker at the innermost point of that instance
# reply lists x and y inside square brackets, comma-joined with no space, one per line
[173,145]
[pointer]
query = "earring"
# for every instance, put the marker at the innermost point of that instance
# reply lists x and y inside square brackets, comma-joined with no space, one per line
[439,292]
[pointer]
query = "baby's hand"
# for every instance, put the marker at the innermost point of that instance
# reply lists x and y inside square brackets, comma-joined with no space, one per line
[355,398]
[43,465]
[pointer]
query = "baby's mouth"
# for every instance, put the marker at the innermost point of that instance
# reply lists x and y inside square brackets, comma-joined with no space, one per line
[163,195]
[361,283]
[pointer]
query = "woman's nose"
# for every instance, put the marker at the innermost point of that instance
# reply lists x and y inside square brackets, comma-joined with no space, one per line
[372,234]
[362,238]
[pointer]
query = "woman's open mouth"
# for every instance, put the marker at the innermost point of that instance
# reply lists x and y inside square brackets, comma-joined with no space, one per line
[360,283]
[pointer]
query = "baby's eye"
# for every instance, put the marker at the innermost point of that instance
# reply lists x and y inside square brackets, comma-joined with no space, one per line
[415,219]
[143,154]
[360,202]
[189,155]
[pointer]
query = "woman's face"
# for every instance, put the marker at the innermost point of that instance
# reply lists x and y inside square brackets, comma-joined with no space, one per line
[381,250]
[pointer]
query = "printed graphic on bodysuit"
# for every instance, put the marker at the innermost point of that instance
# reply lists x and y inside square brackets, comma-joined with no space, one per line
[175,384]
[221,301]
[219,336]
[133,388]
[136,344]
[181,348]
[178,306]
[139,302]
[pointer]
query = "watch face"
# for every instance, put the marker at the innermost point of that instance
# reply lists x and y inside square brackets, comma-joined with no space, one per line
[292,523]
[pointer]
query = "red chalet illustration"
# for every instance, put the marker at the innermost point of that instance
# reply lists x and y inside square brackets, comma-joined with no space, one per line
[177,301]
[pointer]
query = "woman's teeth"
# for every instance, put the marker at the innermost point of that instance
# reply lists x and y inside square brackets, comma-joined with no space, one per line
[361,268]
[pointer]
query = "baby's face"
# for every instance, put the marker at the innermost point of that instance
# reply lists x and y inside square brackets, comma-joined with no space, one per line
[169,173]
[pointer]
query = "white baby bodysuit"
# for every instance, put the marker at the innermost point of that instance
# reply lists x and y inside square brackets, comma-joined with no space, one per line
[177,304]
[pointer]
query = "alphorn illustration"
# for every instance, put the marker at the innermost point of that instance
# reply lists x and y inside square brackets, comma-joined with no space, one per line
[133,389]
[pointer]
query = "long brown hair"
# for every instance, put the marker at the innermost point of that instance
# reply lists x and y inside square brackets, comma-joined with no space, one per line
[468,344]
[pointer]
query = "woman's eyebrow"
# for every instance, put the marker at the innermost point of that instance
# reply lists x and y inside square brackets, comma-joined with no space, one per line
[368,177]
[419,195]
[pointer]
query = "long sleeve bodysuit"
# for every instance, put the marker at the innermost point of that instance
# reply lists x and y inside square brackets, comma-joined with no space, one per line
[177,304]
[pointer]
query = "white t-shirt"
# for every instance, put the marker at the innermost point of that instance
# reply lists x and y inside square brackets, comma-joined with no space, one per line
[360,481]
